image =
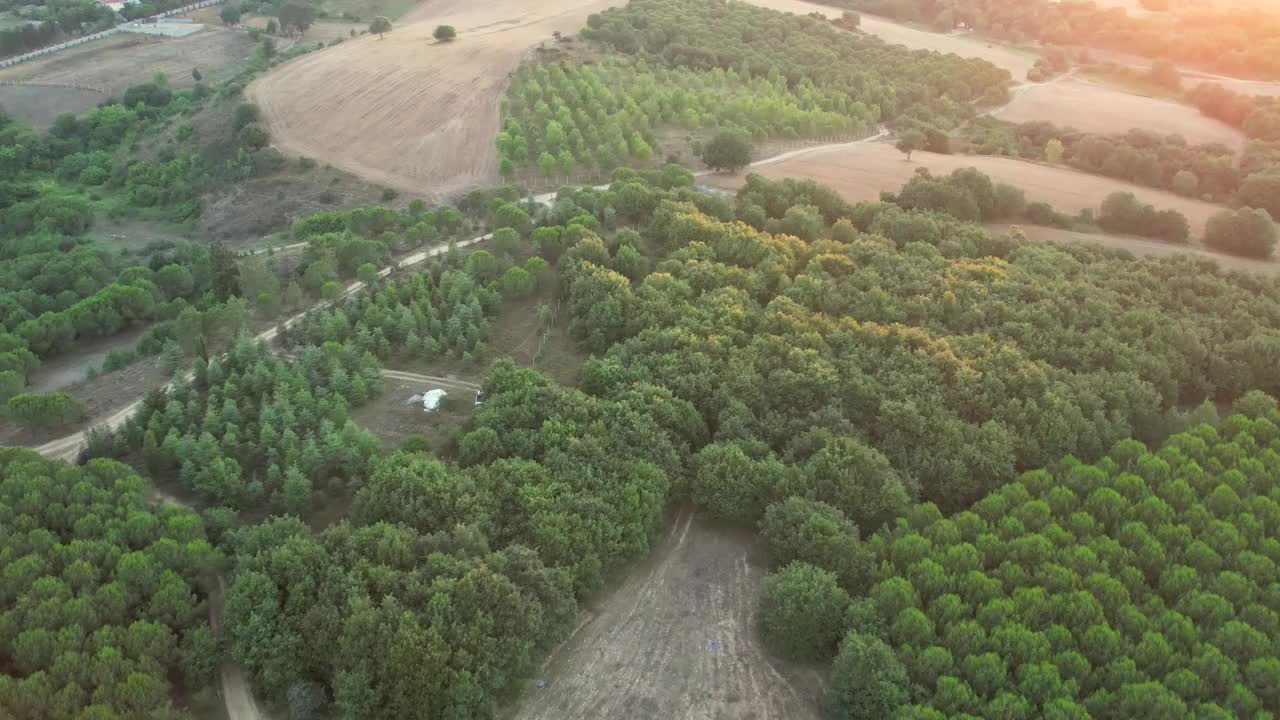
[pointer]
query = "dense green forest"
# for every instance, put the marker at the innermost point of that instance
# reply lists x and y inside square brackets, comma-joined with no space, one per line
[695,67]
[939,434]
[1143,585]
[779,358]
[449,583]
[102,598]
[251,430]
[1244,43]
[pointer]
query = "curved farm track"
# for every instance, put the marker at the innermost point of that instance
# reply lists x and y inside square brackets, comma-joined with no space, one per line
[406,111]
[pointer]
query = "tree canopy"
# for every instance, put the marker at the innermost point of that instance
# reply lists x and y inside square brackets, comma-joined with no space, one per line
[103,599]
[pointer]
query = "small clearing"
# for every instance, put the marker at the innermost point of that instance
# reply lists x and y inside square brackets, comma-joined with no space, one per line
[861,171]
[1097,108]
[677,639]
[393,418]
[71,367]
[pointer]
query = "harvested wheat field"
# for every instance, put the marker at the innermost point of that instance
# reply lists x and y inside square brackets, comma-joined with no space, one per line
[861,171]
[1017,62]
[676,640]
[406,111]
[1093,107]
[1141,246]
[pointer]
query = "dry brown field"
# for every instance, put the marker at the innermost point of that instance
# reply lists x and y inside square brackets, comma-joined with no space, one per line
[1016,61]
[860,172]
[1094,107]
[113,64]
[406,111]
[677,639]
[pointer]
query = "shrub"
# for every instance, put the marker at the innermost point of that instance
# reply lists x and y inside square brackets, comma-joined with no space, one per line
[727,151]
[1246,232]
[38,411]
[445,33]
[801,612]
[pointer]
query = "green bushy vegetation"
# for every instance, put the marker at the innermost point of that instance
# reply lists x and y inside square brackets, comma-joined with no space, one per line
[681,65]
[449,583]
[1140,586]
[1139,156]
[418,316]
[1121,212]
[58,283]
[103,608]
[780,358]
[250,430]
[561,117]
[913,329]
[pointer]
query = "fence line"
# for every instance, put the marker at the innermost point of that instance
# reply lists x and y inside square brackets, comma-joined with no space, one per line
[16,59]
[72,86]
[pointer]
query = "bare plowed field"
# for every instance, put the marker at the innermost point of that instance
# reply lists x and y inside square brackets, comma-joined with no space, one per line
[1097,108]
[676,640]
[408,112]
[860,172]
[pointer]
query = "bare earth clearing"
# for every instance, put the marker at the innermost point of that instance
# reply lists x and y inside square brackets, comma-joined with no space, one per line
[677,639]
[70,368]
[861,172]
[115,63]
[102,396]
[1093,107]
[408,112]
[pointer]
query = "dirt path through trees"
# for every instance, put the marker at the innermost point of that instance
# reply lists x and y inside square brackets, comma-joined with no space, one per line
[676,639]
[68,448]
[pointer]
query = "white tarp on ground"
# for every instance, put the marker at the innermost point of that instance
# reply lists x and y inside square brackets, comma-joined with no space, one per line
[431,400]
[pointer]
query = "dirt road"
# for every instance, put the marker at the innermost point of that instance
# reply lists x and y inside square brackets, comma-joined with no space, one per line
[236,693]
[68,448]
[676,640]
